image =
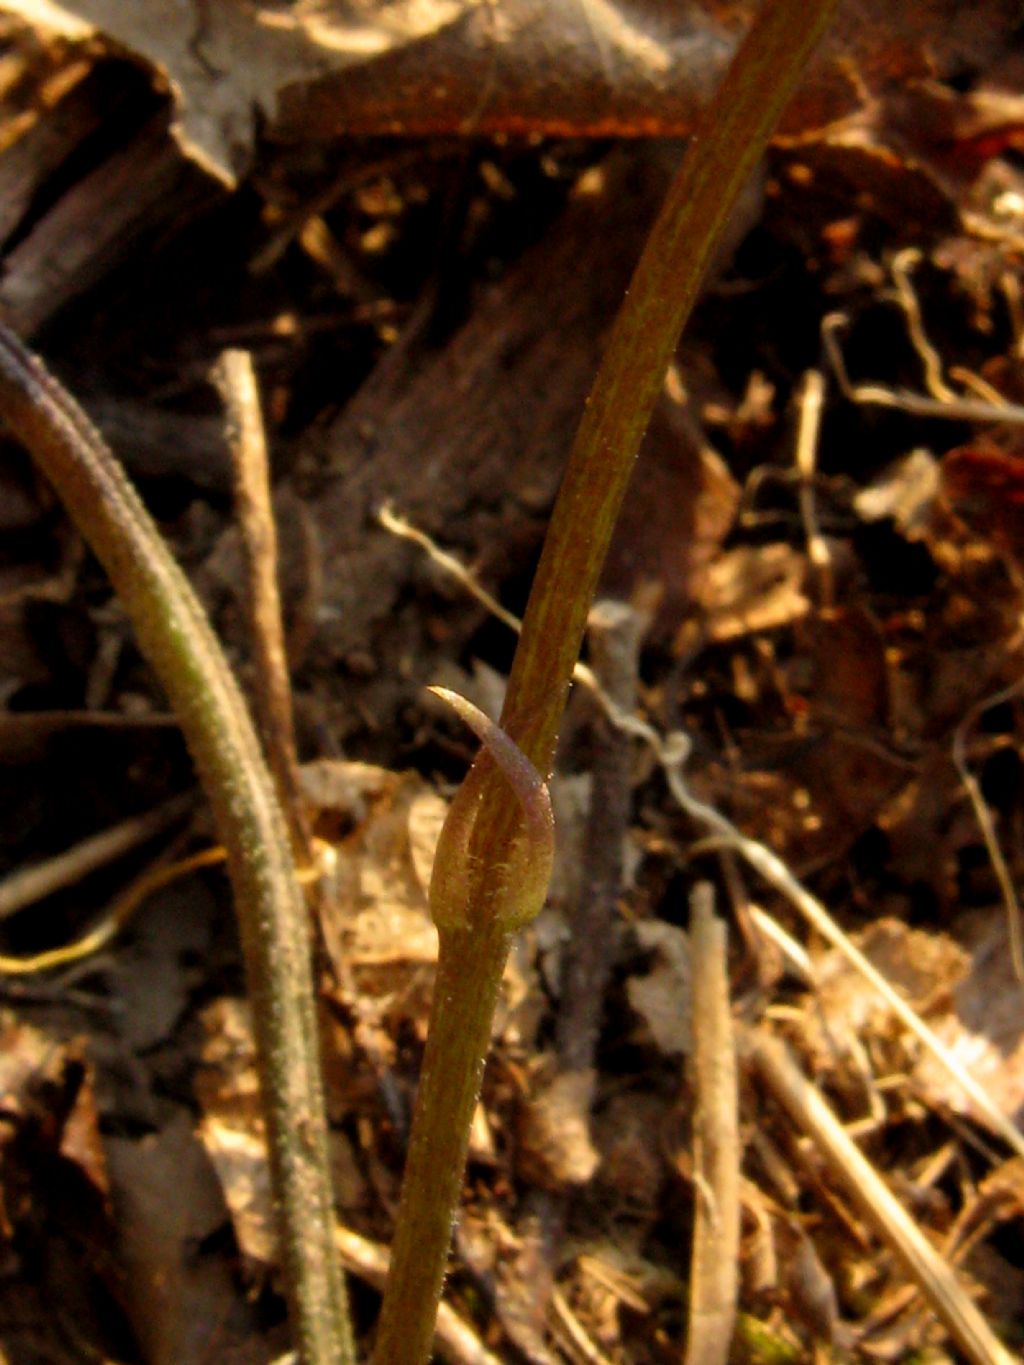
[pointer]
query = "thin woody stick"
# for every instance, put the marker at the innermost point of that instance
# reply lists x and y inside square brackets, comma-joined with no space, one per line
[714,1267]
[454,1339]
[32,884]
[236,380]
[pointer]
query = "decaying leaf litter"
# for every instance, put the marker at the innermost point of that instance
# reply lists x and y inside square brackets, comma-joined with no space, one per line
[821,557]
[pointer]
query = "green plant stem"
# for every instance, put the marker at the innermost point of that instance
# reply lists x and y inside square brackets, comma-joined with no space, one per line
[453,1064]
[726,145]
[176,637]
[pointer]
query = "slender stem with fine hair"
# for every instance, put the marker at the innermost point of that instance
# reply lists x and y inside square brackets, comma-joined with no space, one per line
[726,145]
[176,637]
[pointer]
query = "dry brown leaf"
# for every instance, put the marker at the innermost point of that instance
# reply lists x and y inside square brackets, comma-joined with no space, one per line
[310,69]
[183,1303]
[970,998]
[839,766]
[927,825]
[54,1202]
[427,814]
[904,492]
[984,1028]
[924,966]
[228,60]
[313,70]
[851,168]
[661,997]
[47,1088]
[375,922]
[681,505]
[853,1033]
[232,1128]
[555,1149]
[233,1132]
[753,588]
[628,1132]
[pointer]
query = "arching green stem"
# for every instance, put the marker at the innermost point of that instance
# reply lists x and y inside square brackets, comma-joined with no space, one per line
[725,147]
[175,635]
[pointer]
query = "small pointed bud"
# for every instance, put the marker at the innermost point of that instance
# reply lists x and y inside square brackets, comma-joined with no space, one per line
[527,865]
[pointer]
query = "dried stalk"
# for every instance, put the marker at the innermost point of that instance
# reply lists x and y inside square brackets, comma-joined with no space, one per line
[714,1267]
[32,884]
[236,380]
[934,1276]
